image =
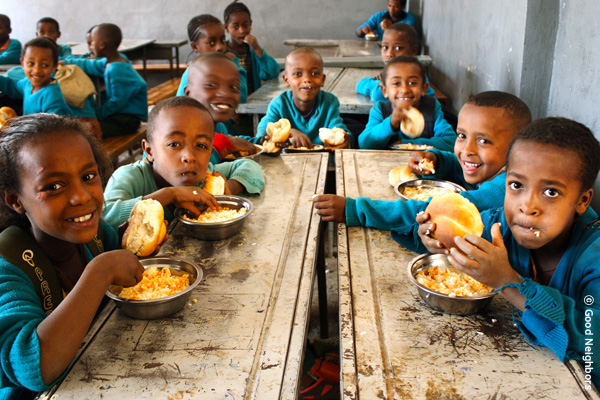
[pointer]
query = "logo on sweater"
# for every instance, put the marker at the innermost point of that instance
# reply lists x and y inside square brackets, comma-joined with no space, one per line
[27,256]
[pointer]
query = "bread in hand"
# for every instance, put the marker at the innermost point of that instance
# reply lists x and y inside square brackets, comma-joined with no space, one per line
[332,137]
[214,184]
[453,216]
[279,131]
[146,229]
[414,124]
[401,174]
[427,165]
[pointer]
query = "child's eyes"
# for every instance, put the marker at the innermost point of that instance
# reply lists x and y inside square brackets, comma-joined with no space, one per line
[515,185]
[212,43]
[461,136]
[209,85]
[484,141]
[316,73]
[235,88]
[89,176]
[385,47]
[551,192]
[297,73]
[52,187]
[398,48]
[173,144]
[202,146]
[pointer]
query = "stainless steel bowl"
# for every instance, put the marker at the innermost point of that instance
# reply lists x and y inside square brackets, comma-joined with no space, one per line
[219,230]
[423,183]
[371,37]
[439,301]
[158,308]
[402,147]
[260,150]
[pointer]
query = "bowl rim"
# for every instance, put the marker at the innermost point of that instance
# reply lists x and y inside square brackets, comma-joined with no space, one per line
[261,150]
[395,147]
[414,281]
[245,203]
[424,182]
[149,262]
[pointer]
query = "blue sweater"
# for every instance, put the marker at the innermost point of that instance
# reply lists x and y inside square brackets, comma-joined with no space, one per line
[131,182]
[379,134]
[12,54]
[126,91]
[370,87]
[243,82]
[326,114]
[21,313]
[49,99]
[375,22]
[555,314]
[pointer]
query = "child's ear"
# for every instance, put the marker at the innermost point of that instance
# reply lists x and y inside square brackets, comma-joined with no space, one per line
[323,80]
[584,201]
[383,89]
[147,149]
[285,79]
[194,46]
[425,87]
[12,200]
[414,51]
[186,91]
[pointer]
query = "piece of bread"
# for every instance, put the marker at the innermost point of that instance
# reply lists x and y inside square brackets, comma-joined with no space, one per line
[279,131]
[214,184]
[146,229]
[414,125]
[401,174]
[427,165]
[332,137]
[6,113]
[453,216]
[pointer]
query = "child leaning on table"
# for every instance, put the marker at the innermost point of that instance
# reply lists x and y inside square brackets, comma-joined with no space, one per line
[10,49]
[206,34]
[404,85]
[50,219]
[126,101]
[541,251]
[178,147]
[379,22]
[306,106]
[252,57]
[486,125]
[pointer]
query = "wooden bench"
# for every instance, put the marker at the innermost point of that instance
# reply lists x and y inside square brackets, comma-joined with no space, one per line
[163,91]
[119,144]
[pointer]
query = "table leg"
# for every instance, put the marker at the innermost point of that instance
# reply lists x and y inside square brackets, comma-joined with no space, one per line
[322,285]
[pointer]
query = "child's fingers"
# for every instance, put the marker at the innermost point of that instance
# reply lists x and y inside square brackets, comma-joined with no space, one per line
[422,217]
[497,235]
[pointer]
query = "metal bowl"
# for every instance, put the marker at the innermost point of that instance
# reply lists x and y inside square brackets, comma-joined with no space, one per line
[439,301]
[405,147]
[260,150]
[158,308]
[371,37]
[219,230]
[424,183]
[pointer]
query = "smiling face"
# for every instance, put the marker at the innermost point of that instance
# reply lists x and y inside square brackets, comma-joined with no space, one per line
[304,75]
[395,43]
[181,146]
[47,29]
[239,26]
[61,191]
[543,195]
[482,140]
[96,43]
[38,65]
[212,39]
[215,83]
[404,85]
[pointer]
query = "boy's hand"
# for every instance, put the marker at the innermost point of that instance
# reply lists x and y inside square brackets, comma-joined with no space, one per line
[396,118]
[365,30]
[425,232]
[416,157]
[242,145]
[385,23]
[122,266]
[484,261]
[253,42]
[344,145]
[379,76]
[299,139]
[330,207]
[188,197]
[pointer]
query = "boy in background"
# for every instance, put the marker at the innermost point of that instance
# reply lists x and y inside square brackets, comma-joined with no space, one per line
[10,49]
[126,102]
[49,27]
[380,21]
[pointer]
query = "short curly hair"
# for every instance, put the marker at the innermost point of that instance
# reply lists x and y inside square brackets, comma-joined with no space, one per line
[20,131]
[235,7]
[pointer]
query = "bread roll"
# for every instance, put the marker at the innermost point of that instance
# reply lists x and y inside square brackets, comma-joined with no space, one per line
[146,229]
[414,124]
[279,131]
[401,174]
[332,137]
[453,216]
[214,184]
[427,165]
[6,113]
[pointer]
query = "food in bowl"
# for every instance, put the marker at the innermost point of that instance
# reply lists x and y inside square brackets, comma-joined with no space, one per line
[224,214]
[449,281]
[156,283]
[425,192]
[411,146]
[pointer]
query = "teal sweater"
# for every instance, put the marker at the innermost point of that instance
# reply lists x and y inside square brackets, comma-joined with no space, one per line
[131,182]
[12,55]
[243,81]
[49,99]
[371,87]
[20,314]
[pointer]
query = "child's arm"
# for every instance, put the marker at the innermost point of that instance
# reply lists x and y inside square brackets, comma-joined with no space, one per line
[94,67]
[334,119]
[371,25]
[120,89]
[12,88]
[443,134]
[378,132]
[370,87]
[245,172]
[269,68]
[330,207]
[12,55]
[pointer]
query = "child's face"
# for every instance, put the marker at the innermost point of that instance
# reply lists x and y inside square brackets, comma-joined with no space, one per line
[47,29]
[61,191]
[38,65]
[4,33]
[395,8]
[211,40]
[394,44]
[304,75]
[404,85]
[181,146]
[216,85]
[96,44]
[482,138]
[239,26]
[543,194]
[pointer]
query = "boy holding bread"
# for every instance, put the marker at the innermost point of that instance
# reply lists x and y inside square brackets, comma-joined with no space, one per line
[178,148]
[306,106]
[487,123]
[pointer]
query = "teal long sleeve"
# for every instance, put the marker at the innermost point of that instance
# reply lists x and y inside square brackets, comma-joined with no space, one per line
[12,55]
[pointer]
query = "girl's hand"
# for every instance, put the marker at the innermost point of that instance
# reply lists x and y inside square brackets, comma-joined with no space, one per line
[330,207]
[122,267]
[416,157]
[299,139]
[484,261]
[425,232]
[396,118]
[379,76]
[385,23]
[188,197]
[253,42]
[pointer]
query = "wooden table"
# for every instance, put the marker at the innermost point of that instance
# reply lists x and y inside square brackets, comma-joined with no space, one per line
[394,346]
[244,337]
[166,50]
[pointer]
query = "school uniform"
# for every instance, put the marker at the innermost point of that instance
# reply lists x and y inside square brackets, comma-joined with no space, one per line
[10,52]
[260,68]
[243,81]
[375,21]
[20,316]
[379,134]
[48,99]
[131,182]
[17,73]
[325,114]
[371,87]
